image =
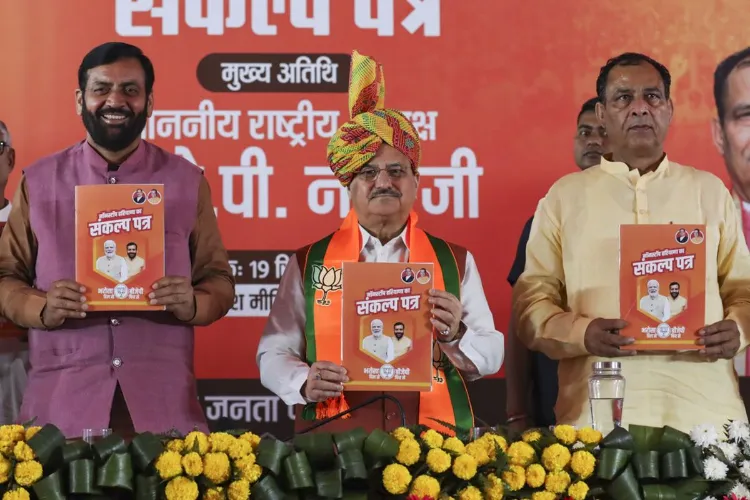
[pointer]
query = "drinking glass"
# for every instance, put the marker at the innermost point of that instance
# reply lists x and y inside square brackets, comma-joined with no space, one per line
[93,435]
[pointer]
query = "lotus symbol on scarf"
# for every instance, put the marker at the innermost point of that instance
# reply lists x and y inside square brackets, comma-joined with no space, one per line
[326,279]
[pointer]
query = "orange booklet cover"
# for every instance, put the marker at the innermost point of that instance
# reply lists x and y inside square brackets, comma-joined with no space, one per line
[662,285]
[386,338]
[119,244]
[7,328]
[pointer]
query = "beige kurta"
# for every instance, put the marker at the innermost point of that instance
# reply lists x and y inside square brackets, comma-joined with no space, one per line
[572,277]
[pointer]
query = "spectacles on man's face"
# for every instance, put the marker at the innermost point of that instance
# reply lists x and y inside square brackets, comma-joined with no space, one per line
[369,174]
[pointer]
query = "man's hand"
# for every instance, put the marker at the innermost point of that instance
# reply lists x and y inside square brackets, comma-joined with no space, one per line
[64,300]
[324,381]
[447,311]
[722,339]
[176,293]
[603,338]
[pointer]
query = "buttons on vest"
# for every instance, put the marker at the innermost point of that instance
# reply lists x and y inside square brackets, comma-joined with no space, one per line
[113,180]
[114,321]
[117,362]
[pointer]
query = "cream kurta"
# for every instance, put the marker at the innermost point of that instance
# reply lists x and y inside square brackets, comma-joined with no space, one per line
[572,277]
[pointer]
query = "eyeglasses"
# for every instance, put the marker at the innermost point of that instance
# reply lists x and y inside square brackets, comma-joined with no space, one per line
[369,174]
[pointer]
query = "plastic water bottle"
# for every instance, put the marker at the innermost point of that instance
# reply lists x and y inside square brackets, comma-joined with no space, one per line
[606,394]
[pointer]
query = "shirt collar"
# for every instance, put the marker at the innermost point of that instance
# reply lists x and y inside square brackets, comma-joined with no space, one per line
[620,169]
[366,237]
[95,160]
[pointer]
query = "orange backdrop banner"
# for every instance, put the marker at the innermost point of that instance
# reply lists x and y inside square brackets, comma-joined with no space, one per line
[251,90]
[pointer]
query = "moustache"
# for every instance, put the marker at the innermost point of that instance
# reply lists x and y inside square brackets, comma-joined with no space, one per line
[384,192]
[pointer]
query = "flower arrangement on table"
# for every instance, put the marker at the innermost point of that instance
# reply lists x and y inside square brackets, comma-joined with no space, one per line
[726,458]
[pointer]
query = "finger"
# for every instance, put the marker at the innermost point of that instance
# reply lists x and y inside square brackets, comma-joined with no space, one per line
[169,280]
[332,376]
[612,324]
[440,326]
[70,284]
[177,299]
[327,365]
[66,305]
[720,351]
[324,385]
[717,338]
[446,317]
[725,325]
[67,294]
[449,303]
[614,339]
[323,395]
[434,292]
[174,289]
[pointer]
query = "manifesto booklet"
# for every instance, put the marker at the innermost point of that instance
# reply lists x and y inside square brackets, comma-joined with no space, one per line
[386,336]
[119,244]
[662,285]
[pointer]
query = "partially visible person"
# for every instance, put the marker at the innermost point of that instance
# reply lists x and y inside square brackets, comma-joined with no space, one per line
[531,377]
[129,371]
[111,264]
[677,303]
[401,343]
[731,135]
[377,344]
[135,262]
[654,303]
[566,302]
[14,345]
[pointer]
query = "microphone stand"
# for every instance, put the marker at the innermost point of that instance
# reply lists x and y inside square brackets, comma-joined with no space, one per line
[356,407]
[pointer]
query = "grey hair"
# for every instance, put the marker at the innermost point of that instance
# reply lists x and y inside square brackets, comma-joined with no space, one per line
[6,133]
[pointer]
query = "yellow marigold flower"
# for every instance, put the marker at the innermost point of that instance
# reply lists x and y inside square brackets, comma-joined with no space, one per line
[181,488]
[470,493]
[13,433]
[240,448]
[578,490]
[515,477]
[535,475]
[251,438]
[6,447]
[496,439]
[17,494]
[494,489]
[31,432]
[465,467]
[402,433]
[557,482]
[396,479]
[176,445]
[220,441]
[454,444]
[28,473]
[215,493]
[239,490]
[432,438]
[531,436]
[248,469]
[5,468]
[566,434]
[555,457]
[408,452]
[438,461]
[520,453]
[199,438]
[23,452]
[479,452]
[216,467]
[169,464]
[583,463]
[425,486]
[193,464]
[543,495]
[587,435]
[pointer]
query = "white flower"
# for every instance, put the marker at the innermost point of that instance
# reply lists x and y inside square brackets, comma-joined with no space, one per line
[738,431]
[730,450]
[704,435]
[578,445]
[714,469]
[740,490]
[745,469]
[710,498]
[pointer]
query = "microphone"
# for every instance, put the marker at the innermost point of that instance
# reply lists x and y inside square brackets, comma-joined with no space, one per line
[356,407]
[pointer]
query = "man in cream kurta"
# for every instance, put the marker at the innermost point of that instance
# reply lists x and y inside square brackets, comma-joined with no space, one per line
[567,300]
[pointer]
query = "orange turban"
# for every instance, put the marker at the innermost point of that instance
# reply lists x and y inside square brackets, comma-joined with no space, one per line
[355,143]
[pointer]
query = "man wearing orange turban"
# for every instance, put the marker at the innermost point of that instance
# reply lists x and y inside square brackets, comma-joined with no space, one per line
[376,155]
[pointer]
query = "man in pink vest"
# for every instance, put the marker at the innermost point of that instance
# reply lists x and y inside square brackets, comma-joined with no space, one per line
[129,371]
[731,135]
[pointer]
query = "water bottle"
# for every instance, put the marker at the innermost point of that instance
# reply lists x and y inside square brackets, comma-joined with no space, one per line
[606,394]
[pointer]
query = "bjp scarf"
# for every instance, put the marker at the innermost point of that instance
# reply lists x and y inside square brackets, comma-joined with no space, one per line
[357,141]
[448,401]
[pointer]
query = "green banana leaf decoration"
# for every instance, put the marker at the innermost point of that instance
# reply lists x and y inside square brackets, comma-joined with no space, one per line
[650,463]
